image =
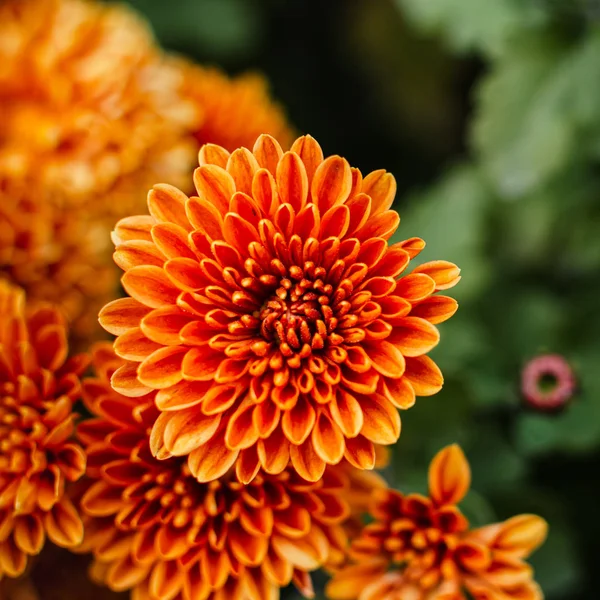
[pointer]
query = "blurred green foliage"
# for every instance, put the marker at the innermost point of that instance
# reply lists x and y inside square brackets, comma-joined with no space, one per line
[488,114]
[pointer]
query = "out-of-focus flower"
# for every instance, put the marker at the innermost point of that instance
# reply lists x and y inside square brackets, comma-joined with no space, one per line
[92,113]
[156,530]
[38,386]
[271,315]
[235,110]
[548,382]
[420,548]
[56,256]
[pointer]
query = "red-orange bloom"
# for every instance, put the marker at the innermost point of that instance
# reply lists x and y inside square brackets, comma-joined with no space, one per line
[38,385]
[236,110]
[272,316]
[420,548]
[155,530]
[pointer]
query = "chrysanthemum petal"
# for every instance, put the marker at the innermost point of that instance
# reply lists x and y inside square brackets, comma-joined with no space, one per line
[435,309]
[328,440]
[424,375]
[162,369]
[307,462]
[215,185]
[292,181]
[381,420]
[150,286]
[444,273]
[309,150]
[449,476]
[331,183]
[297,423]
[268,152]
[123,314]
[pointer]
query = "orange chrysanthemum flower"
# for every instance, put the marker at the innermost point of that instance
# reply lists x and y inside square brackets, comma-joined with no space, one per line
[38,385]
[235,111]
[156,530]
[55,256]
[272,316]
[91,112]
[420,548]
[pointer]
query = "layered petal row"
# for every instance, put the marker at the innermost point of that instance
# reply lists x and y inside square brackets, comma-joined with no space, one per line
[38,458]
[155,530]
[421,548]
[272,316]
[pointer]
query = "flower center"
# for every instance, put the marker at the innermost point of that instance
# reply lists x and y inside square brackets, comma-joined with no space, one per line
[299,316]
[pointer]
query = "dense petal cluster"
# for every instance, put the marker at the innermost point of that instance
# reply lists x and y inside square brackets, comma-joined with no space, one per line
[91,111]
[271,314]
[235,111]
[38,386]
[419,548]
[55,256]
[155,530]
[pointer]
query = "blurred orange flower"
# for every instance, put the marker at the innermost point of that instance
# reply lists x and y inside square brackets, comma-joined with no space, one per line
[154,529]
[420,548]
[235,110]
[92,113]
[271,315]
[38,386]
[56,256]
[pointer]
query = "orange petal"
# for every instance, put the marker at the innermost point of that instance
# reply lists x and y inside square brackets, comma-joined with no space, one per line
[386,358]
[423,375]
[238,232]
[172,240]
[247,466]
[63,525]
[415,287]
[241,166]
[360,452]
[308,149]
[134,345]
[125,381]
[200,364]
[150,286]
[205,217]
[241,432]
[133,228]
[264,191]
[268,152]
[332,183]
[211,154]
[351,579]
[413,336]
[521,535]
[381,420]
[381,186]
[163,325]
[449,476]
[335,222]
[167,204]
[123,314]
[292,181]
[298,422]
[211,461]
[360,208]
[328,440]
[444,273]
[398,391]
[307,462]
[137,252]
[188,429]
[346,412]
[162,368]
[435,309]
[382,225]
[215,185]
[29,534]
[274,452]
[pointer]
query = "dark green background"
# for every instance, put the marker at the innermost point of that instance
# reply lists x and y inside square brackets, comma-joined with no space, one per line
[488,114]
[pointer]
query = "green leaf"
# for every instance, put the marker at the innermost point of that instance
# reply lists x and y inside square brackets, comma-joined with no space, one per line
[535,111]
[481,25]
